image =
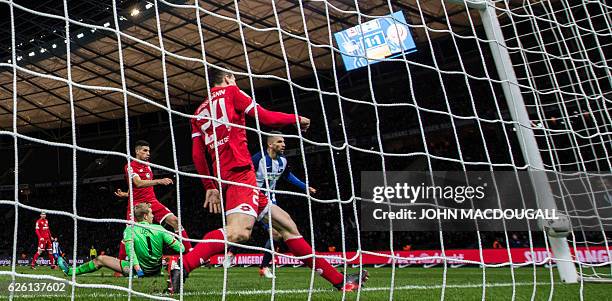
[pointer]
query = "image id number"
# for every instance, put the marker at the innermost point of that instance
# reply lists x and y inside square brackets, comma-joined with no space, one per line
[36,287]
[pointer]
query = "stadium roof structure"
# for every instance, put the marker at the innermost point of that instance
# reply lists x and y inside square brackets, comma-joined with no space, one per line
[43,92]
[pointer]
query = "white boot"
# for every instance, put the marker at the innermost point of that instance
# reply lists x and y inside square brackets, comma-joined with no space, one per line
[266,272]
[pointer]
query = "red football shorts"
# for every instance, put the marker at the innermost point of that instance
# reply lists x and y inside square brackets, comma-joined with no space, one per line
[245,200]
[44,244]
[160,212]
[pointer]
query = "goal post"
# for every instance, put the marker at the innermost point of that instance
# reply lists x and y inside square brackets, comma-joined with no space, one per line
[526,138]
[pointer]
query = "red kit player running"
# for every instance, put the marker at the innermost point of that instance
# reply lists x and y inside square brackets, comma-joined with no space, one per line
[214,131]
[143,182]
[44,240]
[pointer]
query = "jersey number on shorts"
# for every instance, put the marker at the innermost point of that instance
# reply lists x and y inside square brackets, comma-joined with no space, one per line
[223,118]
[256,197]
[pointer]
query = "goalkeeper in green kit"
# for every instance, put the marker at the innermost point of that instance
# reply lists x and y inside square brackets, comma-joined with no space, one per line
[148,245]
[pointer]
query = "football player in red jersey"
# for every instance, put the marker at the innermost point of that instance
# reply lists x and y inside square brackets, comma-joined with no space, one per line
[44,240]
[142,190]
[219,130]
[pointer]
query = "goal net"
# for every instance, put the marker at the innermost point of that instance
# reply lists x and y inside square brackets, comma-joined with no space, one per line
[564,61]
[472,88]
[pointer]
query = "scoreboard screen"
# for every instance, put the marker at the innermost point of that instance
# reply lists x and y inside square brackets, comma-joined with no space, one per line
[381,38]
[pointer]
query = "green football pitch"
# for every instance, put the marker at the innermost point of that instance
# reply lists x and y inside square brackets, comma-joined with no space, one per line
[411,283]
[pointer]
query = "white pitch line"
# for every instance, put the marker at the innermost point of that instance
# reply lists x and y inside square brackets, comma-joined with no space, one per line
[298,291]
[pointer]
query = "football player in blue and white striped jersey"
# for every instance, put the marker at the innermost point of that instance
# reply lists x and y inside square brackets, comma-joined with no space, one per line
[271,164]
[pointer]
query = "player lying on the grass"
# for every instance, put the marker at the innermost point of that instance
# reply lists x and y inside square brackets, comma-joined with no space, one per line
[148,245]
[142,191]
[43,232]
[270,165]
[215,130]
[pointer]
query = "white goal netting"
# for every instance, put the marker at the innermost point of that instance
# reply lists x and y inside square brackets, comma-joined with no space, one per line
[507,86]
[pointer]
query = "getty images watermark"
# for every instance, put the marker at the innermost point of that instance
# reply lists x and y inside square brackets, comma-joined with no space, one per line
[468,201]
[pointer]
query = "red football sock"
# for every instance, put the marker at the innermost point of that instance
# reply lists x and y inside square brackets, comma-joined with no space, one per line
[299,247]
[35,258]
[186,243]
[51,258]
[204,250]
[122,253]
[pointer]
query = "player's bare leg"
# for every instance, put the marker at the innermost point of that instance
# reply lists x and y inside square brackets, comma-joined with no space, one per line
[93,265]
[240,226]
[109,262]
[284,224]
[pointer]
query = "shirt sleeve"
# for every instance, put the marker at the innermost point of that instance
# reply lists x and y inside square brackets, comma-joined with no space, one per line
[242,101]
[172,242]
[199,157]
[256,159]
[129,244]
[291,178]
[129,172]
[38,230]
[272,118]
[195,130]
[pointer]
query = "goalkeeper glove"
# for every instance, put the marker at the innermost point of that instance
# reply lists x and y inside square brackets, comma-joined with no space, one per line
[140,273]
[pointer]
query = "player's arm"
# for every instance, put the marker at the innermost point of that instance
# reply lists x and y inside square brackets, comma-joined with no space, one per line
[140,183]
[213,197]
[128,240]
[256,160]
[295,181]
[172,242]
[38,231]
[199,158]
[266,117]
[122,194]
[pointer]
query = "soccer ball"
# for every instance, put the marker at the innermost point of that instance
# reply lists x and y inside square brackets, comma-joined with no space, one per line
[560,227]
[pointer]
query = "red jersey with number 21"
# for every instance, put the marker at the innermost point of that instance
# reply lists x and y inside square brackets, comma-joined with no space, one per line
[226,105]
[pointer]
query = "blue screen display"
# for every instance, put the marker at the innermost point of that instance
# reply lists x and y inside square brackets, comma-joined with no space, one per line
[381,38]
